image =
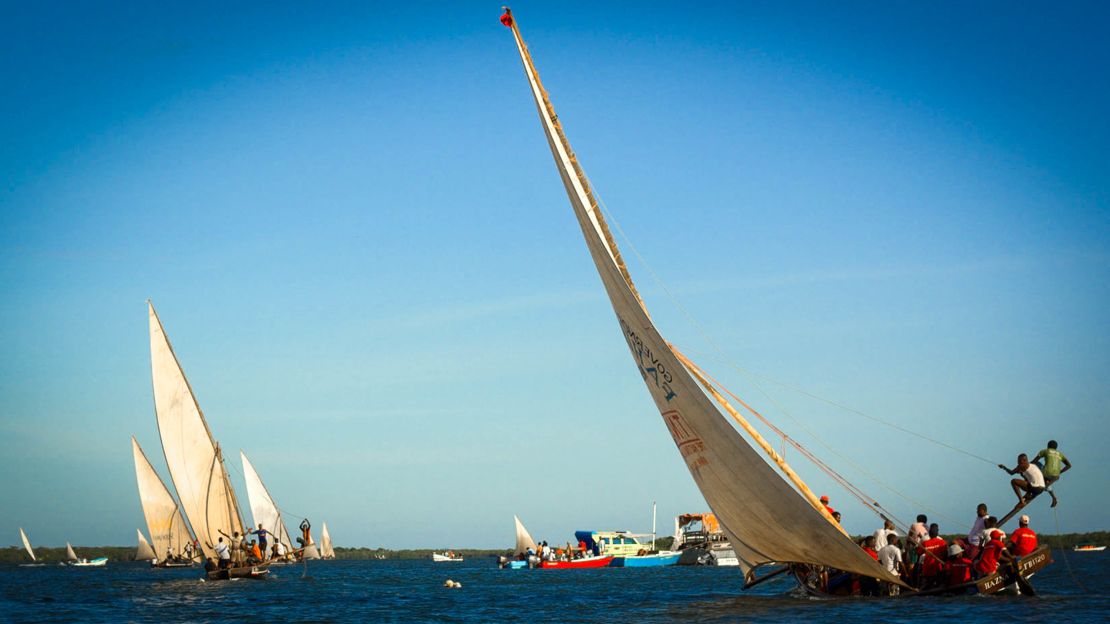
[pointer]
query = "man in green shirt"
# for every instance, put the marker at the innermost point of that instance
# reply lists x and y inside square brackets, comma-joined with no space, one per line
[1050,461]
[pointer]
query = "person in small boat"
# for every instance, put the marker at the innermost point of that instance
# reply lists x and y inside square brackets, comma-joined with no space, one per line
[235,545]
[885,535]
[1053,464]
[869,586]
[262,534]
[1023,540]
[959,566]
[825,502]
[993,553]
[932,553]
[890,557]
[224,553]
[918,533]
[975,535]
[209,565]
[1030,485]
[306,532]
[188,551]
[255,553]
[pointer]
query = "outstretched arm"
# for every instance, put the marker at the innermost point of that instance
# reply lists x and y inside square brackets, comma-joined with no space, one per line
[1007,470]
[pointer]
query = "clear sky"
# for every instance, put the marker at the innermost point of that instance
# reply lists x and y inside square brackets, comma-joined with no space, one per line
[351,225]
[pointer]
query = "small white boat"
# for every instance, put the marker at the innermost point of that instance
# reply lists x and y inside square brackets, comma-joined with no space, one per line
[446,556]
[89,563]
[1088,548]
[80,562]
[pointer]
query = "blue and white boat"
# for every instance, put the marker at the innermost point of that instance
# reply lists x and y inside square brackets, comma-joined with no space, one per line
[652,560]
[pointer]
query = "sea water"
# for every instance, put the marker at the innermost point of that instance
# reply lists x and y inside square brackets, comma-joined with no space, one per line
[400,591]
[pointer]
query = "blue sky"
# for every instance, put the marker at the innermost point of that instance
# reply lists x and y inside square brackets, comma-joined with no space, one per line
[350,223]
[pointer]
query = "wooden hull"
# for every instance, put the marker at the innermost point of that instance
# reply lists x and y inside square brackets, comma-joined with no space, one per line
[1013,579]
[591,562]
[253,572]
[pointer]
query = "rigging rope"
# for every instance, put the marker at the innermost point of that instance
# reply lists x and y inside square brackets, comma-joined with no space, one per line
[1064,553]
[280,510]
[752,374]
[851,489]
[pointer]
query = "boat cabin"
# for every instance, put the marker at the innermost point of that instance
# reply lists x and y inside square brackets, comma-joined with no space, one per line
[615,543]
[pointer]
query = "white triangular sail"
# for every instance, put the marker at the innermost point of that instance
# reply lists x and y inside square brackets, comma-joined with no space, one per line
[264,510]
[163,516]
[192,455]
[524,539]
[766,519]
[27,544]
[70,555]
[326,550]
[144,552]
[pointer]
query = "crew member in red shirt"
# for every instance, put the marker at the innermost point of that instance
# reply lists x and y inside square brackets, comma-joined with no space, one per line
[932,551]
[993,553]
[1023,541]
[959,566]
[825,502]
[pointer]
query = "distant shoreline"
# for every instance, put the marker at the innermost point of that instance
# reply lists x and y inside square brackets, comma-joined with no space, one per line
[16,554]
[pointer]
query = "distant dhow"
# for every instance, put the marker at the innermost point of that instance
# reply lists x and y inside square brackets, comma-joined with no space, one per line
[194,458]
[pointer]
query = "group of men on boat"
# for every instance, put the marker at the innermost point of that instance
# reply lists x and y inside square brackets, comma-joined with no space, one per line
[239,550]
[928,562]
[569,552]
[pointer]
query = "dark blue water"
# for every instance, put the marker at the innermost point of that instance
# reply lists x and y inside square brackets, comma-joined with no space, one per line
[387,591]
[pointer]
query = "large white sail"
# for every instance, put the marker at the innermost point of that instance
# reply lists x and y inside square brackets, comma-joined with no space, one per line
[192,455]
[70,555]
[27,544]
[524,539]
[326,550]
[163,516]
[766,519]
[144,552]
[264,510]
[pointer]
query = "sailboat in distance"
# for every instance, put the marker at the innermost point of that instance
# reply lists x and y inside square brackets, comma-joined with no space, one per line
[264,510]
[768,513]
[327,551]
[194,458]
[172,541]
[30,551]
[144,551]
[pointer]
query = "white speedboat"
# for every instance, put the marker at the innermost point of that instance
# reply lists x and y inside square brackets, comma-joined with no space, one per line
[446,556]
